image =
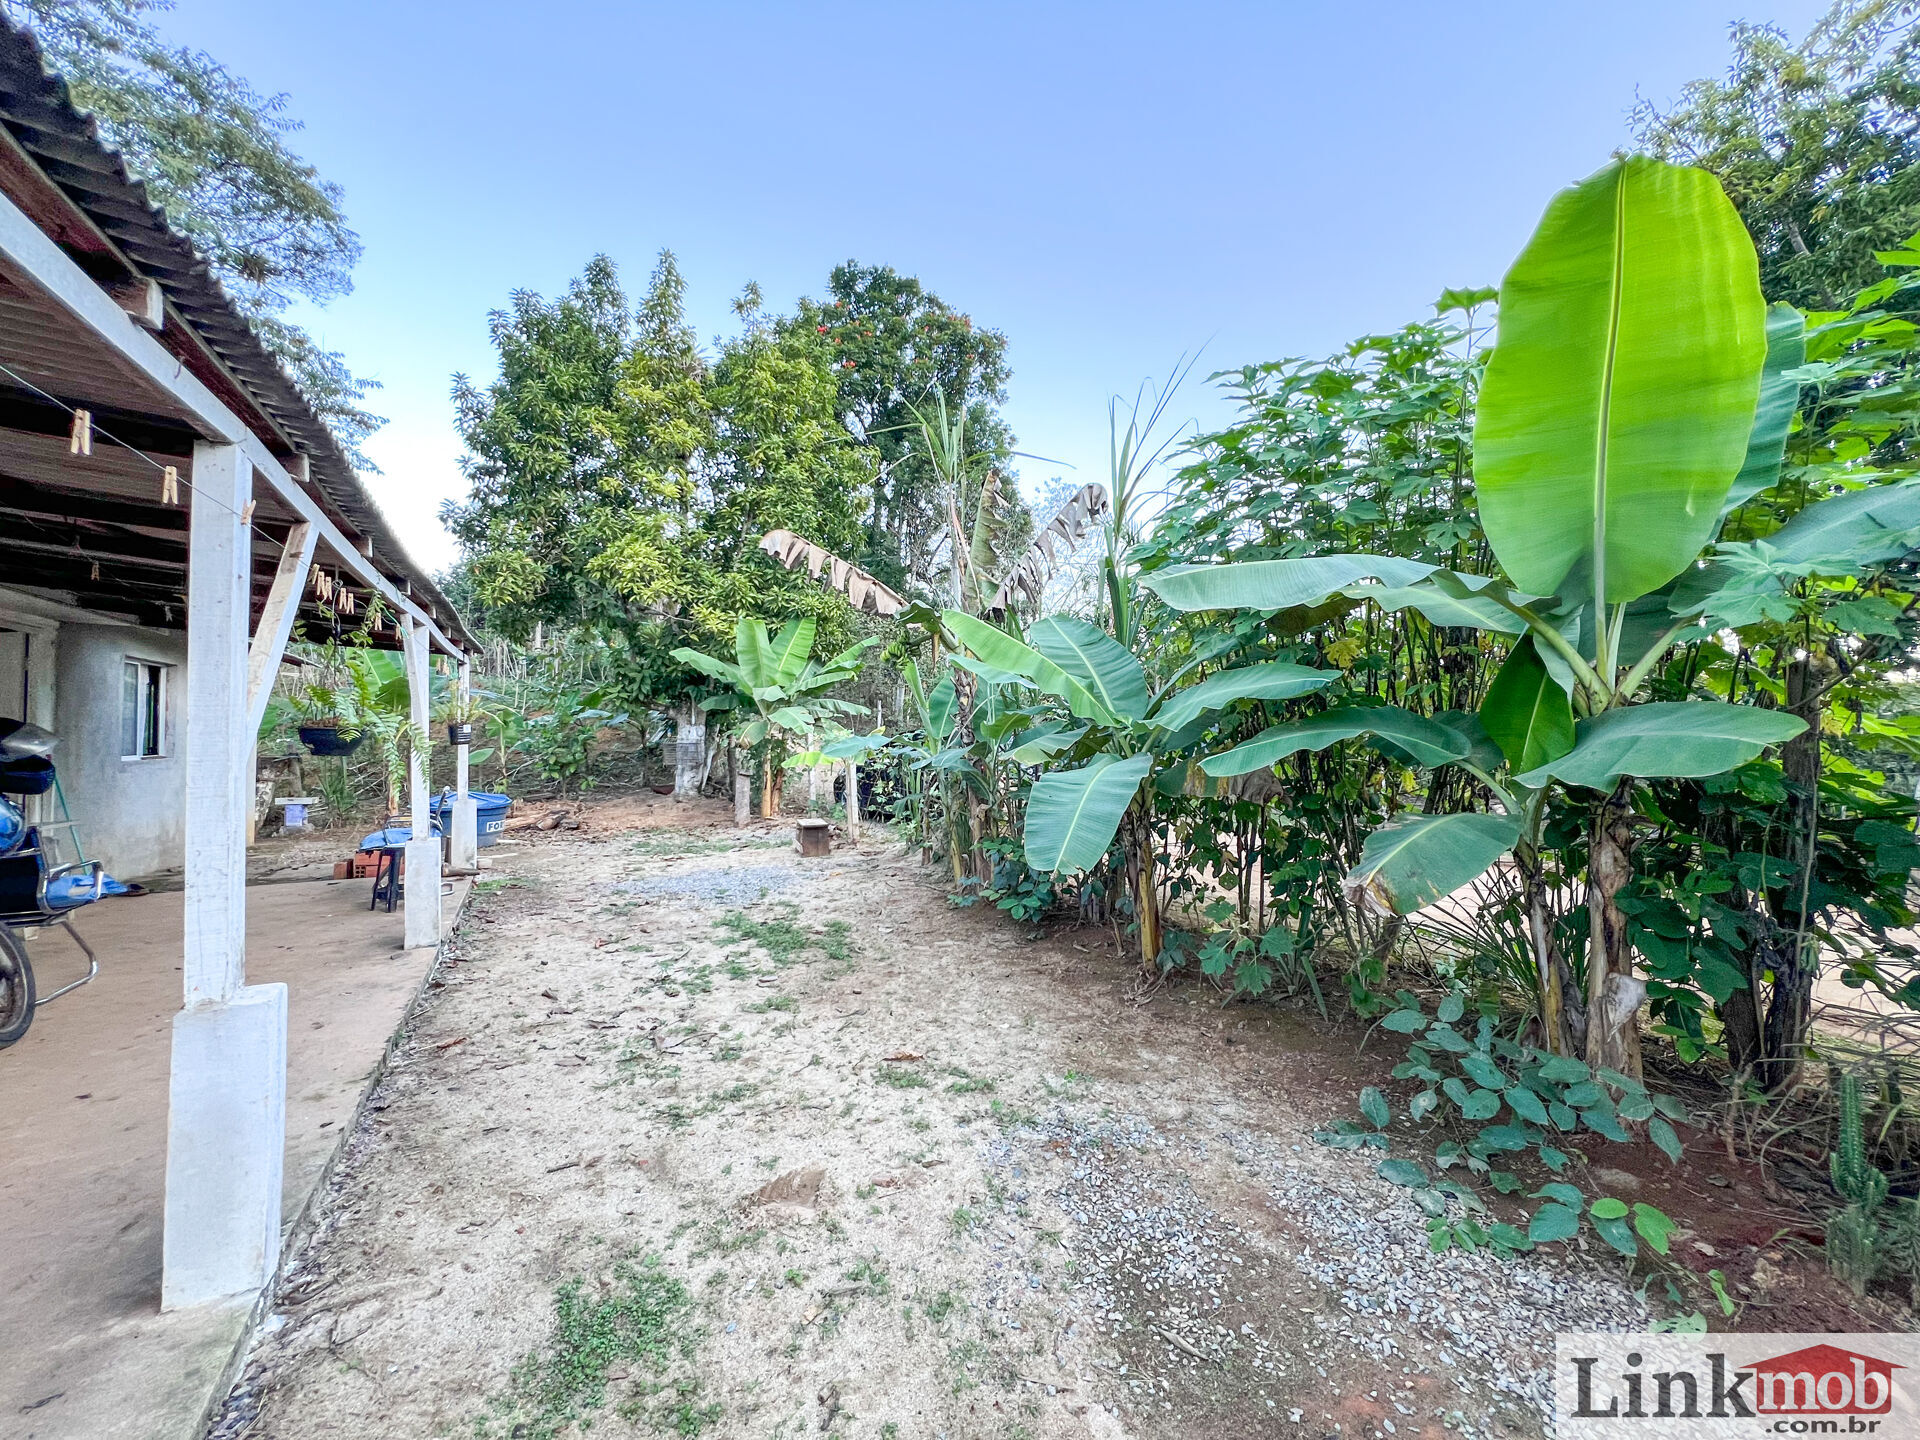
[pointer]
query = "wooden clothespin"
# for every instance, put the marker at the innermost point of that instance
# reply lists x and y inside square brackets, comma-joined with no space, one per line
[246,515]
[170,486]
[323,585]
[80,441]
[96,571]
[346,601]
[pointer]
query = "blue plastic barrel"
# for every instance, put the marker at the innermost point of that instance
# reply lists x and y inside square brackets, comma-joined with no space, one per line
[490,807]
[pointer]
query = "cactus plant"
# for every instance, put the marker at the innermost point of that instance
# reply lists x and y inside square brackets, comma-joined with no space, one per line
[1853,1236]
[1854,1178]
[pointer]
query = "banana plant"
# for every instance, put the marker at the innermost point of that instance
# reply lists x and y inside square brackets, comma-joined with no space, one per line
[1126,730]
[777,678]
[1630,389]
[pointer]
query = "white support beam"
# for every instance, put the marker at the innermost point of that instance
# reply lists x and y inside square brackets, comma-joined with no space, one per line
[64,282]
[227,1088]
[219,740]
[463,835]
[276,621]
[423,850]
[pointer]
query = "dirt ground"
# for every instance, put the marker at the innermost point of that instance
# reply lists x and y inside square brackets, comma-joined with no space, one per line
[694,1136]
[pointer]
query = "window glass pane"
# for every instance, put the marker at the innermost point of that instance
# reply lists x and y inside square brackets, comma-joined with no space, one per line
[150,714]
[130,710]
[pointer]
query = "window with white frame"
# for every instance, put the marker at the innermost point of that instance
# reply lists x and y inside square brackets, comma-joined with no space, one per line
[143,710]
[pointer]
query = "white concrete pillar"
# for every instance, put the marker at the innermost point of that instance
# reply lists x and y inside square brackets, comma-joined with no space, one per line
[463,854]
[742,786]
[689,750]
[227,1092]
[853,800]
[423,851]
[226,1146]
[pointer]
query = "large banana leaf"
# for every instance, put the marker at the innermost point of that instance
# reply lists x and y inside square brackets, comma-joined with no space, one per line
[790,649]
[1668,738]
[1274,680]
[713,669]
[1096,660]
[1415,735]
[1773,416]
[992,674]
[853,747]
[940,708]
[1468,610]
[755,653]
[1072,814]
[1043,742]
[1621,393]
[1419,859]
[1002,651]
[1526,712]
[1276,584]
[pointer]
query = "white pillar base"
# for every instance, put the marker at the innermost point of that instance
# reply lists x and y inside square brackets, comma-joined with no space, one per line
[226,1147]
[464,852]
[423,893]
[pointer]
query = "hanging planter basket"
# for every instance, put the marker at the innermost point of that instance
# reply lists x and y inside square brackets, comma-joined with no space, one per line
[327,740]
[460,733]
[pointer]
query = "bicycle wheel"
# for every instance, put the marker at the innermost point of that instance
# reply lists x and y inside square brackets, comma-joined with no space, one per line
[16,988]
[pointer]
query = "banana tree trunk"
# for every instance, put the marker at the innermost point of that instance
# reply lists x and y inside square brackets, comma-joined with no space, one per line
[1614,992]
[1563,1018]
[1146,893]
[1795,955]
[771,789]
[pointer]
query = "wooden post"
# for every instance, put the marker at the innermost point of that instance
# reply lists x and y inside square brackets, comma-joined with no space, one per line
[742,788]
[227,1088]
[853,801]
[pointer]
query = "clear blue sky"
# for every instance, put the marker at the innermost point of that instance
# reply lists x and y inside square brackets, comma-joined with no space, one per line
[1109,184]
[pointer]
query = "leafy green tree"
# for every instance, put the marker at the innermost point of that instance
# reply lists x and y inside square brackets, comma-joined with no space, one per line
[556,470]
[782,460]
[214,155]
[1815,143]
[894,343]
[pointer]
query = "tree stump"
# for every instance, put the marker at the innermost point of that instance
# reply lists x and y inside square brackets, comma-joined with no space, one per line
[814,837]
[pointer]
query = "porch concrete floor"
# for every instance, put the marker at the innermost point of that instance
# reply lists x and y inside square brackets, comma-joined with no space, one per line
[88,1355]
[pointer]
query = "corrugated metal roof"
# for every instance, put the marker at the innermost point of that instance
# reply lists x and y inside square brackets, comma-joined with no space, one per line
[37,110]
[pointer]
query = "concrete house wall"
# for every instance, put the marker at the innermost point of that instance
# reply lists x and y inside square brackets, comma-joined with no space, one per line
[132,812]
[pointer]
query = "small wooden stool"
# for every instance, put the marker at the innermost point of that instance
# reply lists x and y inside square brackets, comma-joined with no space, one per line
[815,837]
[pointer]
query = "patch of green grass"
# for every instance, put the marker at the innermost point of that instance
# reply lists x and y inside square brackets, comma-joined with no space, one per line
[940,1306]
[900,1077]
[785,940]
[873,1275]
[961,1220]
[495,885]
[967,1083]
[641,1317]
[773,1002]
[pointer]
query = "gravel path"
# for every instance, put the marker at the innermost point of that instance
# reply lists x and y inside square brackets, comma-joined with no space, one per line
[861,1164]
